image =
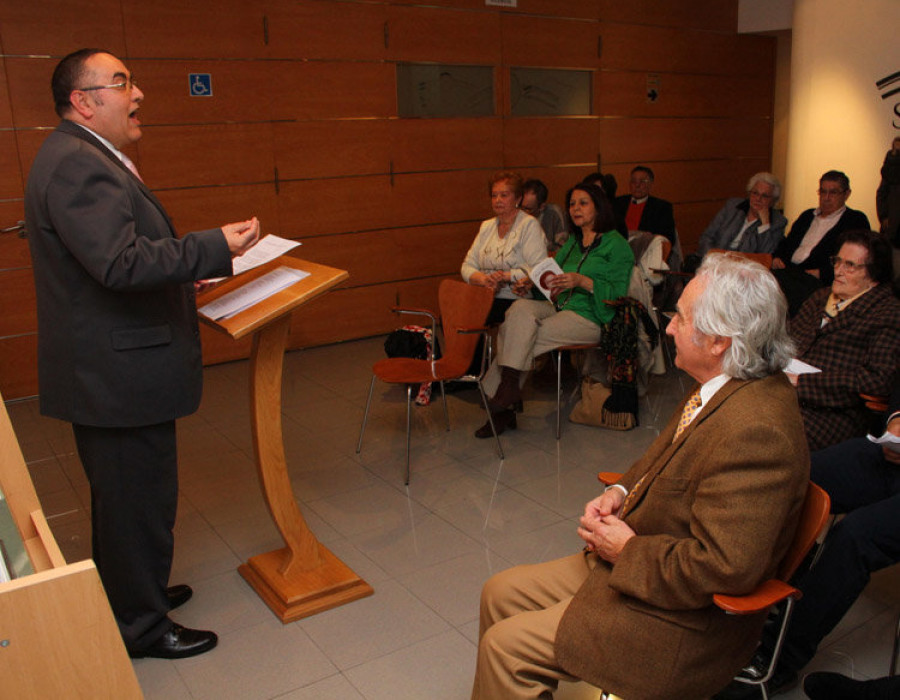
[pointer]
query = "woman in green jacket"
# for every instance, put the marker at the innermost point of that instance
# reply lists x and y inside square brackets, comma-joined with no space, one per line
[596,265]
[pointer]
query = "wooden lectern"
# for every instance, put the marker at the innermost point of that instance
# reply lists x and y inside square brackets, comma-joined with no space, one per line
[304,577]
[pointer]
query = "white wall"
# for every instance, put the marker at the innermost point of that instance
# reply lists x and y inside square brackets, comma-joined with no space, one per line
[837,117]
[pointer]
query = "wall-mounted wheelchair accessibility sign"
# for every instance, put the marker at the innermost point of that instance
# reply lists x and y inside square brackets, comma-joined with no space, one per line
[200,84]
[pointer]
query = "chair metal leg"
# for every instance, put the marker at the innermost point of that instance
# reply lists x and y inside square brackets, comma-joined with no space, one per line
[444,399]
[558,392]
[487,409]
[896,649]
[362,428]
[408,417]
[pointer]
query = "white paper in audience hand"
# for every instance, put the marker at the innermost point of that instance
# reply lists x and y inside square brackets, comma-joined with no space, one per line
[541,272]
[889,439]
[796,366]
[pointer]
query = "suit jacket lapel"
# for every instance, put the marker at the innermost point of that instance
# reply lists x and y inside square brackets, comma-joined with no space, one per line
[665,448]
[73,129]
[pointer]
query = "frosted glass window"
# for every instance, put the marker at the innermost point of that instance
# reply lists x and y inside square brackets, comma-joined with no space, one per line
[543,92]
[429,90]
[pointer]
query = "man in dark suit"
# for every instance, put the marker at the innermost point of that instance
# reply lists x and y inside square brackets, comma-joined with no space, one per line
[801,262]
[710,508]
[863,480]
[118,342]
[642,212]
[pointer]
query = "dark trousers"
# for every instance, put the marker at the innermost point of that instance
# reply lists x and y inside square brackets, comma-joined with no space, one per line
[866,487]
[133,474]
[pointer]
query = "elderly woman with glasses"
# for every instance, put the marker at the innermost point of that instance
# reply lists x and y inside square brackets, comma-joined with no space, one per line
[596,263]
[750,224]
[507,246]
[849,331]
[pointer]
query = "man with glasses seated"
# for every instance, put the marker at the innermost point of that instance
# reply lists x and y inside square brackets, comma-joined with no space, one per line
[851,332]
[801,262]
[641,211]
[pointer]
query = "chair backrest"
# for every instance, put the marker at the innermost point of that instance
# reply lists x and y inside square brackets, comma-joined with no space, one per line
[462,306]
[815,514]
[764,259]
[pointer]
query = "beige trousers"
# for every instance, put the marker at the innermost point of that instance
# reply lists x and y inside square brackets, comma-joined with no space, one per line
[520,612]
[532,328]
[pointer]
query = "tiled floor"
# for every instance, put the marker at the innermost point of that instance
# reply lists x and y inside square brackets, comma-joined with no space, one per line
[426,549]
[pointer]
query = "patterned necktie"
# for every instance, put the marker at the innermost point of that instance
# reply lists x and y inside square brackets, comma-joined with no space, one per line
[131,166]
[690,408]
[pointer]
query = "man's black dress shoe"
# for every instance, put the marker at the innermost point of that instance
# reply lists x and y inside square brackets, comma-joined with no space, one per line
[178,643]
[178,595]
[502,420]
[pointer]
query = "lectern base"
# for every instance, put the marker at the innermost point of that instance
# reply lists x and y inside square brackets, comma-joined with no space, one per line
[303,593]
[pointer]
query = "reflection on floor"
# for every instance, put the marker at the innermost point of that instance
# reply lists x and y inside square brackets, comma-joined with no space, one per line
[426,549]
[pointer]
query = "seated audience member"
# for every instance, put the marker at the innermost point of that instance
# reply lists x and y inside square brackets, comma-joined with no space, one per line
[863,480]
[596,262]
[549,216]
[831,686]
[641,211]
[506,247]
[710,508]
[607,183]
[802,260]
[887,197]
[748,225]
[851,332]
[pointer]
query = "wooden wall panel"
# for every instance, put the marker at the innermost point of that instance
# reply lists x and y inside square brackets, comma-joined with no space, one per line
[324,90]
[6,118]
[195,29]
[429,198]
[58,27]
[11,185]
[632,47]
[692,218]
[683,139]
[625,94]
[378,257]
[443,36]
[395,201]
[201,208]
[326,29]
[446,144]
[335,148]
[535,141]
[214,154]
[18,366]
[550,42]
[321,207]
[14,251]
[702,14]
[19,310]
[28,82]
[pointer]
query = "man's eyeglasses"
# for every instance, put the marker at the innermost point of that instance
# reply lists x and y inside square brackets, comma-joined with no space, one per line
[837,262]
[830,193]
[123,85]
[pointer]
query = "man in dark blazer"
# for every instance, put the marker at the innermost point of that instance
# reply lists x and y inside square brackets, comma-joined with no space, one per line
[851,333]
[863,480]
[118,342]
[801,262]
[710,508]
[642,212]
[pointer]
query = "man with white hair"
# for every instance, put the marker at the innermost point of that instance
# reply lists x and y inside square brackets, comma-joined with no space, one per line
[750,224]
[710,508]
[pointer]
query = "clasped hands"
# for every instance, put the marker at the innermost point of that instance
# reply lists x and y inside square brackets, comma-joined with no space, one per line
[600,527]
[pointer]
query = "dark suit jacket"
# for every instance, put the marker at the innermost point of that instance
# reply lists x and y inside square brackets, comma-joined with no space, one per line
[118,343]
[657,216]
[715,514]
[850,220]
[858,352]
